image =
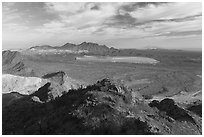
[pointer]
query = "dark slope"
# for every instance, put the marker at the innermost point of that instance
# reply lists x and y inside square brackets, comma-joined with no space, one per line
[171,109]
[103,108]
[196,108]
[9,98]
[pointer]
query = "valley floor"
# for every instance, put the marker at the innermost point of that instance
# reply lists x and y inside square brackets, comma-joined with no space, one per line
[176,77]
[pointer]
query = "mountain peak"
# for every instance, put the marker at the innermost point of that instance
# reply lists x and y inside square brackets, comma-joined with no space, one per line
[42,47]
[67,45]
[89,43]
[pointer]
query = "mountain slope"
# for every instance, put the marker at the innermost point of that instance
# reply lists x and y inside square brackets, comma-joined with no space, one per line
[13,62]
[106,107]
[67,46]
[11,57]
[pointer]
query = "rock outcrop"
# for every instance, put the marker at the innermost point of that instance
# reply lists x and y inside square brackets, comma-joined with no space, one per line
[101,108]
[48,87]
[57,77]
[171,109]
[20,84]
[60,83]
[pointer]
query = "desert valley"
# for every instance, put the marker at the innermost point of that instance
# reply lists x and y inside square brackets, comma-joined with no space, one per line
[88,88]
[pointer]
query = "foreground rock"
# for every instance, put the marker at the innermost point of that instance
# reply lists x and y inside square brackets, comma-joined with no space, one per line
[172,110]
[102,108]
[48,87]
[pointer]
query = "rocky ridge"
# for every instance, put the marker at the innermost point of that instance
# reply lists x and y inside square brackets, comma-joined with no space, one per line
[106,107]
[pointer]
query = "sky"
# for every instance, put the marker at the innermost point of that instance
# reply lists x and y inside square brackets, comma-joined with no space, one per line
[118,24]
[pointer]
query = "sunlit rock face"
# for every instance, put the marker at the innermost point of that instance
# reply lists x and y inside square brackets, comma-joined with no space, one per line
[22,85]
[51,85]
[61,82]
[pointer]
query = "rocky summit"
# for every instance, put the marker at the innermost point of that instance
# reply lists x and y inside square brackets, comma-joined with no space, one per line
[106,107]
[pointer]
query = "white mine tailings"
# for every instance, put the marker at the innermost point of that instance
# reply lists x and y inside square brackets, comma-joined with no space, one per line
[138,60]
[22,85]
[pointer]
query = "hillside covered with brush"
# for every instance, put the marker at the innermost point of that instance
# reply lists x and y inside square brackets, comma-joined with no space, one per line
[106,107]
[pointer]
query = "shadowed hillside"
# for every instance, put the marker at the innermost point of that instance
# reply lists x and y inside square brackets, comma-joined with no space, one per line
[102,108]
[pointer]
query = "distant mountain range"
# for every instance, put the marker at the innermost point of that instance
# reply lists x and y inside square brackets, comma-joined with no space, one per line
[18,62]
[91,48]
[86,47]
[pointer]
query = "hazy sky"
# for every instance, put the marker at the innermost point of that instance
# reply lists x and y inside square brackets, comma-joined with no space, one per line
[120,25]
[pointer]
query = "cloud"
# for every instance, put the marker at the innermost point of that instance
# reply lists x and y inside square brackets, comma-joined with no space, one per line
[182,19]
[84,17]
[78,21]
[129,7]
[95,7]
[125,20]
[27,13]
[182,33]
[188,21]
